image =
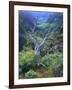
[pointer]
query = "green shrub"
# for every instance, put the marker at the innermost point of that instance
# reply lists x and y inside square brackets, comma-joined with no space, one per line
[31,74]
[52,60]
[54,64]
[25,61]
[26,56]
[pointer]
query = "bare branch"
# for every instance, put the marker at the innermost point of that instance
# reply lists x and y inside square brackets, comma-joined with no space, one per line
[43,40]
[32,28]
[32,39]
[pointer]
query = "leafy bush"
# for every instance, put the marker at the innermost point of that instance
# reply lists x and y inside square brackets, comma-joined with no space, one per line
[52,60]
[26,56]
[30,62]
[44,50]
[25,60]
[31,74]
[54,64]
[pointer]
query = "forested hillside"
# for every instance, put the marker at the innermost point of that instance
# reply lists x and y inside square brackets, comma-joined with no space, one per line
[40,44]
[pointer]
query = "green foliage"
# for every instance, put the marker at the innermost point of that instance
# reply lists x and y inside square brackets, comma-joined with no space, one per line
[43,25]
[39,38]
[52,60]
[54,63]
[25,60]
[26,56]
[56,42]
[31,74]
[49,63]
[44,50]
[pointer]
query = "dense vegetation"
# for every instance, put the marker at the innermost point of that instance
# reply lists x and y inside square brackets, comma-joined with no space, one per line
[40,44]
